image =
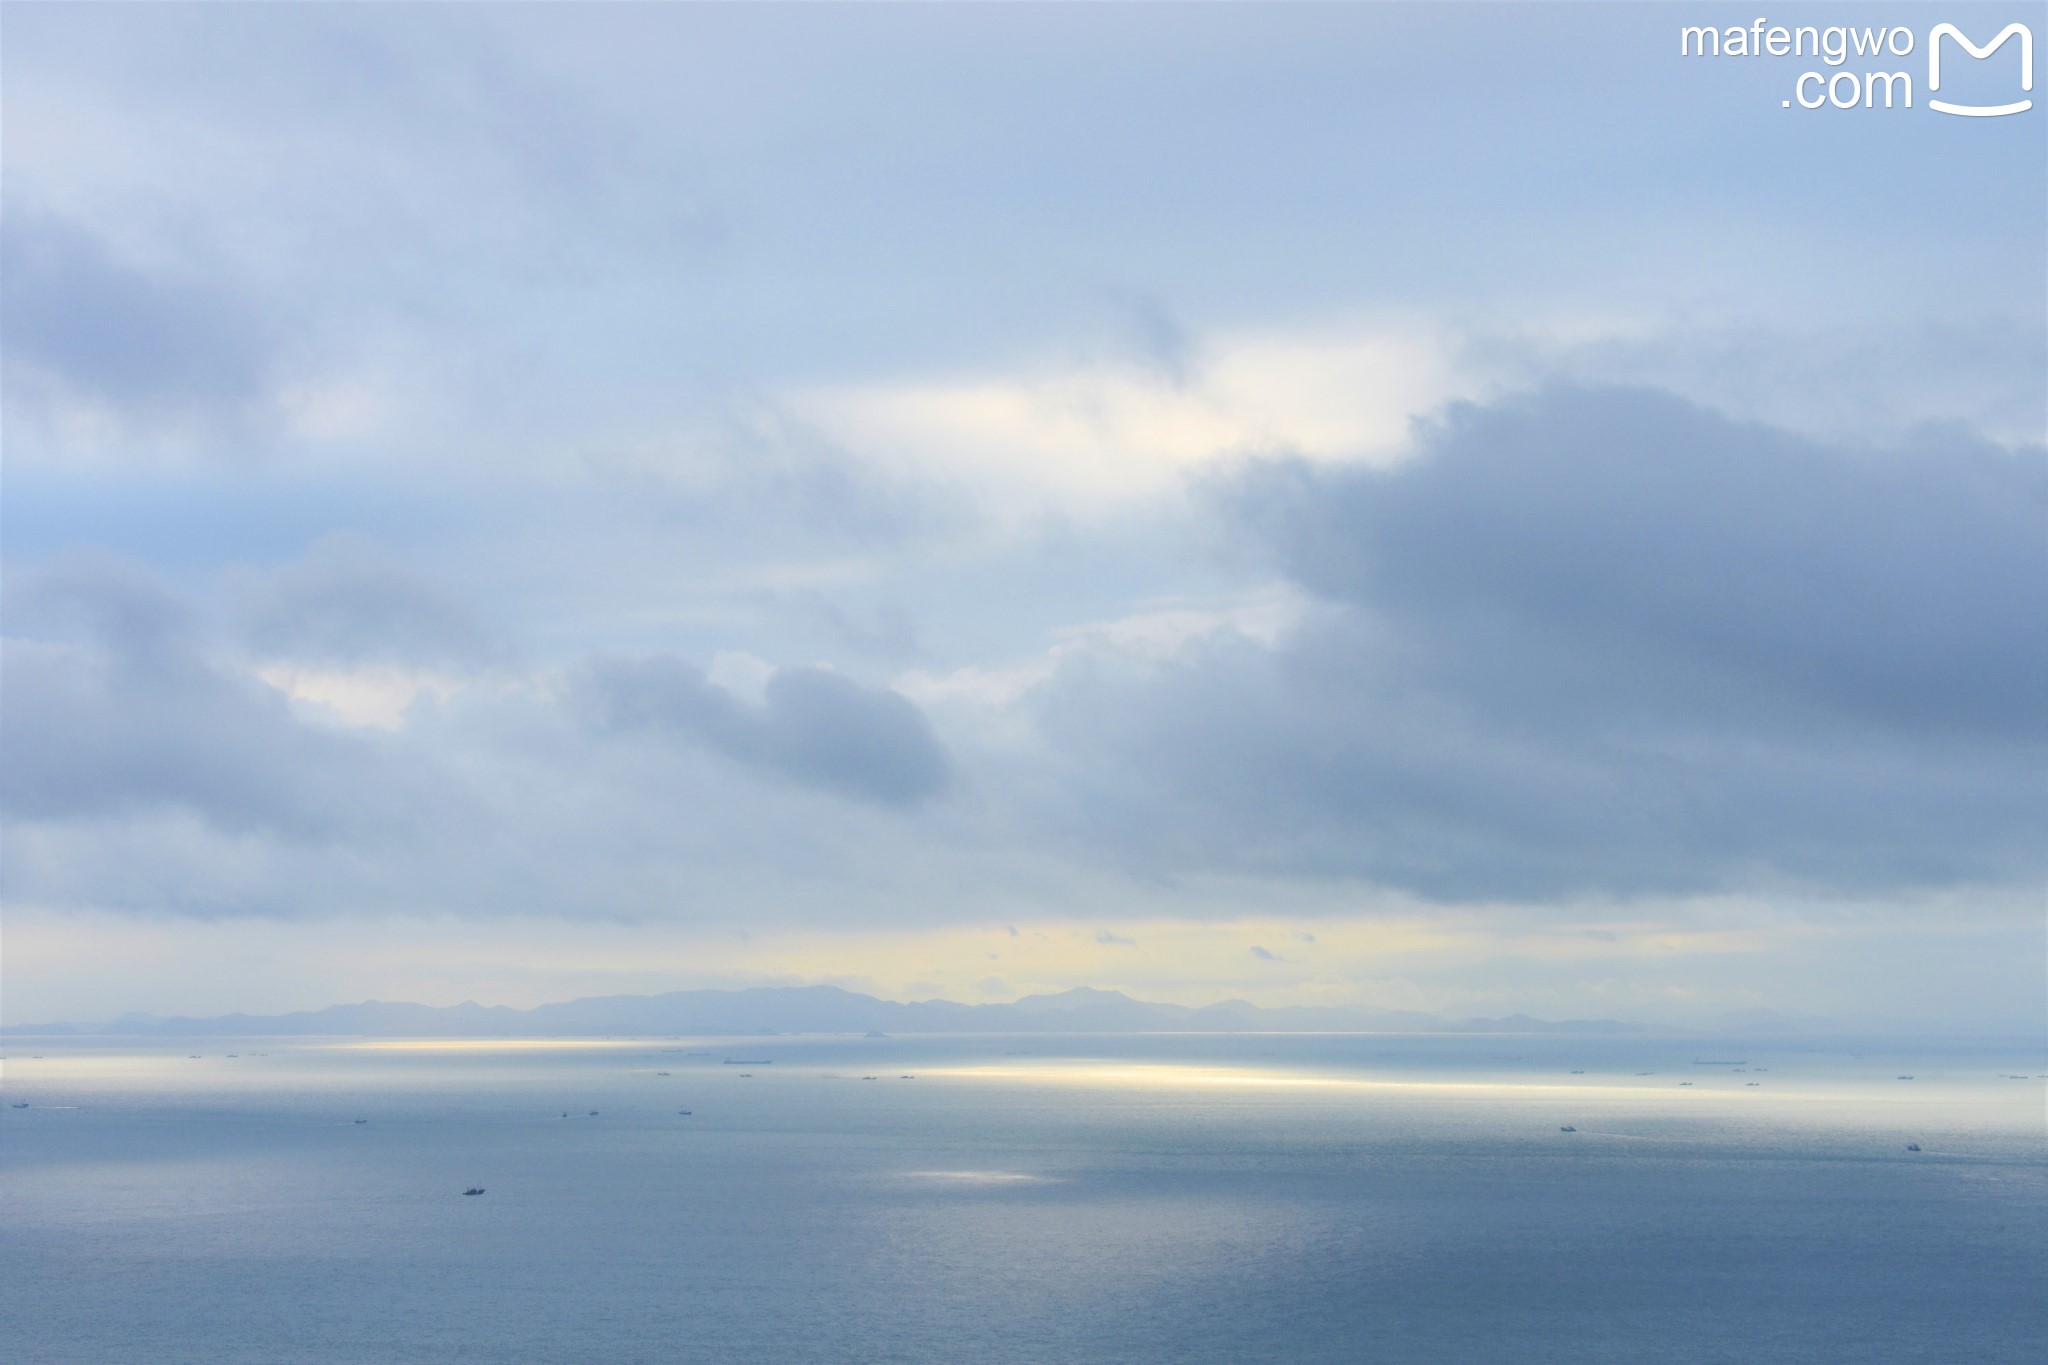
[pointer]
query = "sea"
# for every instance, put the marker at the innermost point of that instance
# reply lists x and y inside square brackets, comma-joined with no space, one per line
[1141,1198]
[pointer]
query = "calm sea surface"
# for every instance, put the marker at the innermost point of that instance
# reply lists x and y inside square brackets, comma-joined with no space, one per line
[1152,1198]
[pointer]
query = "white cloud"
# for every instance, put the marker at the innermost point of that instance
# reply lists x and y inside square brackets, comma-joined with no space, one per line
[740,673]
[373,698]
[1122,431]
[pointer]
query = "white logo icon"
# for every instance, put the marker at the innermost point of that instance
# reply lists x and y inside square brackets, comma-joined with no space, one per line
[2026,38]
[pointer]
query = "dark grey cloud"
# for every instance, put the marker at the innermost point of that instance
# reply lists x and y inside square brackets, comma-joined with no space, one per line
[146,343]
[1604,642]
[112,707]
[1828,374]
[1624,549]
[812,726]
[345,602]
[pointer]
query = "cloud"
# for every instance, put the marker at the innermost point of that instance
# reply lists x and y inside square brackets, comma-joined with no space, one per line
[151,769]
[1824,375]
[106,331]
[1635,551]
[112,708]
[1157,336]
[1264,955]
[1605,643]
[757,462]
[346,602]
[813,726]
[1103,430]
[1557,653]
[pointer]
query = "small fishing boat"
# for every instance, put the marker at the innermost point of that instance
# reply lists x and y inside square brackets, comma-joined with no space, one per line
[474,1189]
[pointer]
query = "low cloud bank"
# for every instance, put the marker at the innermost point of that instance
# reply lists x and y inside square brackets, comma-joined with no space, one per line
[1583,645]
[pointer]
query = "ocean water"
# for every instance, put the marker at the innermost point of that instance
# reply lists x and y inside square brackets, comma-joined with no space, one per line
[1151,1198]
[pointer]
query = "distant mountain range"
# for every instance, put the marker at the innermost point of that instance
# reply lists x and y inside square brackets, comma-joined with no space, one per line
[820,1009]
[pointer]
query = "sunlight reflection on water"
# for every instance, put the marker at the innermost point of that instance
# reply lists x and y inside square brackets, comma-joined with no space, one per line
[1137,1198]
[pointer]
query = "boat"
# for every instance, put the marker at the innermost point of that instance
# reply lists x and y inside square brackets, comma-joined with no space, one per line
[684,1112]
[362,1120]
[593,1113]
[22,1105]
[741,1061]
[474,1189]
[1912,1146]
[1567,1129]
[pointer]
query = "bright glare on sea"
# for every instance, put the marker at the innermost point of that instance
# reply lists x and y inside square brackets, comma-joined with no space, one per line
[1150,1198]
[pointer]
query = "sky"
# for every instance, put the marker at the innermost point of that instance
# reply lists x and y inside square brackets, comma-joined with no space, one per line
[1452,507]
